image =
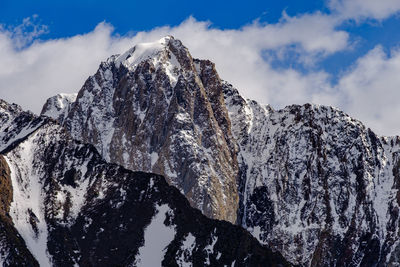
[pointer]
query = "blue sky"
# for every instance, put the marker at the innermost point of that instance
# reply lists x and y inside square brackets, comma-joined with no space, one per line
[67,18]
[344,53]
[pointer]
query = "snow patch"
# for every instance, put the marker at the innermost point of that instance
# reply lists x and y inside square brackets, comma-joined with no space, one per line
[157,237]
[188,244]
[153,158]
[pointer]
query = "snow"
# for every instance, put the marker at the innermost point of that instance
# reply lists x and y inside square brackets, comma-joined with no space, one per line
[153,52]
[197,67]
[256,232]
[28,195]
[210,248]
[27,130]
[141,52]
[188,244]
[78,197]
[157,237]
[59,105]
[171,69]
[153,158]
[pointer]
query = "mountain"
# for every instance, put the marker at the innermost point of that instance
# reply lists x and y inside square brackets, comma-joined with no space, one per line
[309,181]
[155,109]
[316,184]
[68,206]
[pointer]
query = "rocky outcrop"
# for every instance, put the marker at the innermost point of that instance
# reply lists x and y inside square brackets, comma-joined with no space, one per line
[16,124]
[57,107]
[155,109]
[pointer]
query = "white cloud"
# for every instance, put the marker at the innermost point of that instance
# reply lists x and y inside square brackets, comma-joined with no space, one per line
[371,90]
[30,75]
[365,9]
[23,34]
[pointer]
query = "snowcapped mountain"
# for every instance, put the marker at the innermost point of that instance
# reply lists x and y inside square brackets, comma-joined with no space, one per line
[155,109]
[67,206]
[309,181]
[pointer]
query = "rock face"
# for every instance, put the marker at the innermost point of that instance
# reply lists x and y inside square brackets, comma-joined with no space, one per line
[155,109]
[16,124]
[308,180]
[72,207]
[316,184]
[13,251]
[57,107]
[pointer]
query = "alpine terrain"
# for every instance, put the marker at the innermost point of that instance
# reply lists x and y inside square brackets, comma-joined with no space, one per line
[158,161]
[62,204]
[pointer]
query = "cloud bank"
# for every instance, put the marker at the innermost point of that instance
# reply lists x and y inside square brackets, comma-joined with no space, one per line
[32,70]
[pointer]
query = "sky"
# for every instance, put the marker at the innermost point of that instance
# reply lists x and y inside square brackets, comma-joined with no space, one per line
[343,53]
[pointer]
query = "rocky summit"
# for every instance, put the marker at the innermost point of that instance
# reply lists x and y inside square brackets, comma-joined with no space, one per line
[155,109]
[156,158]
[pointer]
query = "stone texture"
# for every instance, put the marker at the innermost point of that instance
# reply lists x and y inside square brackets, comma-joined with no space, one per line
[316,184]
[96,213]
[166,116]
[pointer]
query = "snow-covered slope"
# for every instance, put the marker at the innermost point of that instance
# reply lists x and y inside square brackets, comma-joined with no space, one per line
[13,251]
[316,184]
[73,208]
[155,109]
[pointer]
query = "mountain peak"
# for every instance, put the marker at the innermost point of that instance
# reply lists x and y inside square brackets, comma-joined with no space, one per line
[58,106]
[146,51]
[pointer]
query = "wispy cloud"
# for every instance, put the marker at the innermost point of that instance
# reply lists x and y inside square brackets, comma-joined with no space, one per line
[364,9]
[25,33]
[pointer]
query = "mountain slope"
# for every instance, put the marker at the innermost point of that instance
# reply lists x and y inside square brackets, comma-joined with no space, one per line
[72,207]
[13,250]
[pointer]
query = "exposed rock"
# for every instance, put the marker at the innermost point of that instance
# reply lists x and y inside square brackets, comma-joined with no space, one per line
[312,182]
[150,109]
[72,207]
[57,107]
[316,184]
